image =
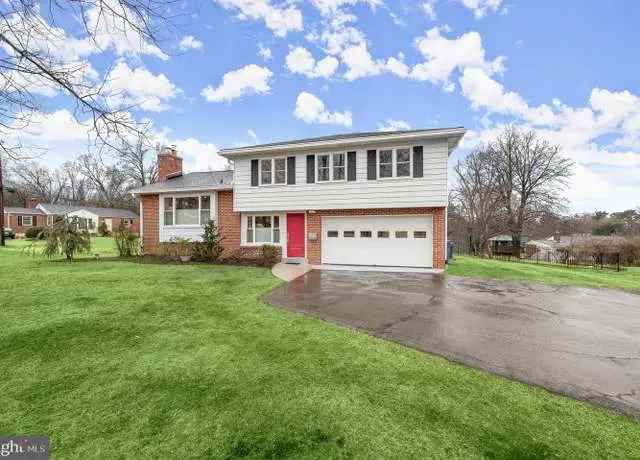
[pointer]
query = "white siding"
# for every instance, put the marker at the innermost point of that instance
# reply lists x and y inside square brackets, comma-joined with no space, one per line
[84,214]
[192,232]
[429,190]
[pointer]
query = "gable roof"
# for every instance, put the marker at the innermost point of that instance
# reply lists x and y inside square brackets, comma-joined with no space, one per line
[15,210]
[61,209]
[207,180]
[109,212]
[454,135]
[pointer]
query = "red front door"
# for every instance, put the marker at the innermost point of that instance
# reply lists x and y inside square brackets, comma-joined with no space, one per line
[295,235]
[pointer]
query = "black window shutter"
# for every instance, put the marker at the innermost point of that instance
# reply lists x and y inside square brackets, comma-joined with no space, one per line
[351,166]
[19,221]
[291,170]
[254,173]
[417,161]
[311,169]
[34,220]
[371,164]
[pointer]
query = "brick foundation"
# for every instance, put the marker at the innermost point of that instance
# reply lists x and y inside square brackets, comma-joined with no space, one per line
[314,225]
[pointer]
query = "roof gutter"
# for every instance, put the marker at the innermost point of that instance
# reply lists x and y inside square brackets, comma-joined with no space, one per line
[454,133]
[152,191]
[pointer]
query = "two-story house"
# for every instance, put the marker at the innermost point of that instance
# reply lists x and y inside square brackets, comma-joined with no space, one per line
[362,199]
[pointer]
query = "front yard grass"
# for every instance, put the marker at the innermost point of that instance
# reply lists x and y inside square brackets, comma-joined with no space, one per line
[114,359]
[476,267]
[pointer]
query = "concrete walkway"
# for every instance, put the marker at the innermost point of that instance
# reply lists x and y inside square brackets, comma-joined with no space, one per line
[584,343]
[289,272]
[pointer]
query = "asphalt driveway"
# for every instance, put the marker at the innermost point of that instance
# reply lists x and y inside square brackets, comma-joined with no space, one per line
[584,343]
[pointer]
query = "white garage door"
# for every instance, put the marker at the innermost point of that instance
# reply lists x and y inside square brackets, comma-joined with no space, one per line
[389,241]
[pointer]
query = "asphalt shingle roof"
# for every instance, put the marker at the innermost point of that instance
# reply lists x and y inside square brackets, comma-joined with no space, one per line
[349,136]
[194,180]
[13,210]
[61,209]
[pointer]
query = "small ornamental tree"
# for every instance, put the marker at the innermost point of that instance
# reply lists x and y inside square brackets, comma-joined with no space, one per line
[210,248]
[65,237]
[126,241]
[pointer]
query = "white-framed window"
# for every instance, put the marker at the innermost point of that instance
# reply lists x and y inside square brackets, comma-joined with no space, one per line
[395,162]
[273,171]
[331,167]
[262,229]
[186,211]
[27,221]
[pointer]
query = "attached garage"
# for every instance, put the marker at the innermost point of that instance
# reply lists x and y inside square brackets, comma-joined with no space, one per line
[385,241]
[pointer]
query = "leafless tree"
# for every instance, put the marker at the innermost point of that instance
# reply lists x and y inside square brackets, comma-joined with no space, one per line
[137,158]
[30,179]
[37,59]
[476,198]
[110,185]
[530,175]
[78,186]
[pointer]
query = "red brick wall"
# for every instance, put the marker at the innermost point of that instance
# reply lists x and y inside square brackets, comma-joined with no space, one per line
[314,225]
[115,224]
[12,222]
[169,164]
[150,223]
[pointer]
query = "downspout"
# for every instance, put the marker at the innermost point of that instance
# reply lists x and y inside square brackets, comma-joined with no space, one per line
[141,227]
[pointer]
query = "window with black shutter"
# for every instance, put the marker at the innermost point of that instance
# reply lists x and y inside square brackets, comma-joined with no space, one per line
[417,161]
[351,166]
[371,164]
[254,173]
[311,169]
[291,170]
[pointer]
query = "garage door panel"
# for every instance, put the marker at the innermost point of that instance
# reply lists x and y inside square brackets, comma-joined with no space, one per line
[395,241]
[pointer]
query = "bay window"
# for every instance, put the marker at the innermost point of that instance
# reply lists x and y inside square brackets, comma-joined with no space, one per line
[263,229]
[187,210]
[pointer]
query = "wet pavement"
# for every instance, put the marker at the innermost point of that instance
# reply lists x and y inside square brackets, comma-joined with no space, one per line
[584,343]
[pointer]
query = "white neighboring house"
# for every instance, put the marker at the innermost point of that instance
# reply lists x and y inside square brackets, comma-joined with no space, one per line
[92,217]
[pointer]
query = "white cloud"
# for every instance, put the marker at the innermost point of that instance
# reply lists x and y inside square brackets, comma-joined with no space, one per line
[251,79]
[265,53]
[139,87]
[189,42]
[394,125]
[333,7]
[360,63]
[199,156]
[481,7]
[56,126]
[429,9]
[252,134]
[279,19]
[444,55]
[310,109]
[299,60]
[397,20]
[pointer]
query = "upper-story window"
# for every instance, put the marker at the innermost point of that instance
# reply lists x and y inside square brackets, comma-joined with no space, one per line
[331,167]
[394,162]
[187,210]
[273,171]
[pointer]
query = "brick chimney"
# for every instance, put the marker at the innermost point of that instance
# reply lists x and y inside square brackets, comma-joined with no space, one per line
[169,163]
[33,202]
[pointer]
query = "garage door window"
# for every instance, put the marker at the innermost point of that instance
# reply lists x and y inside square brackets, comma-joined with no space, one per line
[349,234]
[383,234]
[365,234]
[402,234]
[419,234]
[332,234]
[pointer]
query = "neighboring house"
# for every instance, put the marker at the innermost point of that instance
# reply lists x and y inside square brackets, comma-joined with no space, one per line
[365,199]
[503,244]
[91,218]
[21,219]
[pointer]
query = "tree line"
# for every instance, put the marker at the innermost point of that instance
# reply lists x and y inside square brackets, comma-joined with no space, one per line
[104,176]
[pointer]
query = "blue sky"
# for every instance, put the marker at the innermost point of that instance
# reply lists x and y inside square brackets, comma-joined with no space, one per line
[239,72]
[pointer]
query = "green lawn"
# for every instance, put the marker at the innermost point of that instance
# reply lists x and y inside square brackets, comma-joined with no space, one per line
[486,268]
[114,359]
